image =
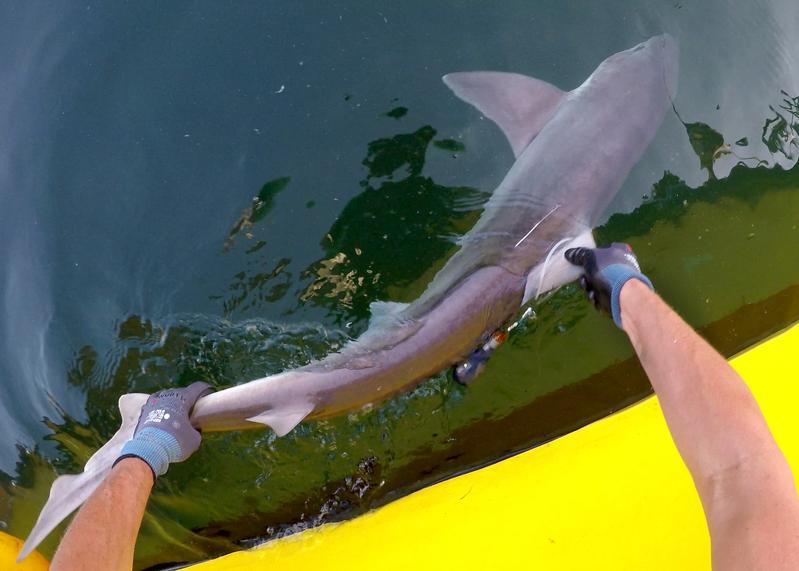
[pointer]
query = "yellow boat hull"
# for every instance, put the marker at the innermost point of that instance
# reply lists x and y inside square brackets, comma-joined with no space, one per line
[612,495]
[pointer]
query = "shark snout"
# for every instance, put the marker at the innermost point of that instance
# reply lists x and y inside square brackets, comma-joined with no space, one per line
[662,51]
[664,46]
[670,60]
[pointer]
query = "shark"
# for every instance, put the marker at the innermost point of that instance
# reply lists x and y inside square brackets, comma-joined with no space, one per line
[573,150]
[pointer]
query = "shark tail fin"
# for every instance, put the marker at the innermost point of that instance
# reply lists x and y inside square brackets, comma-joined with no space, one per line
[518,104]
[283,420]
[69,492]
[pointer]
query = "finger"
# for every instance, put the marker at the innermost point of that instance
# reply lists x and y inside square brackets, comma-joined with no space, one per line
[577,256]
[195,391]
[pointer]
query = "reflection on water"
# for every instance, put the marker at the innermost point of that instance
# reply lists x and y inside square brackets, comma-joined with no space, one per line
[707,144]
[262,203]
[136,256]
[400,225]
[779,135]
[248,291]
[780,132]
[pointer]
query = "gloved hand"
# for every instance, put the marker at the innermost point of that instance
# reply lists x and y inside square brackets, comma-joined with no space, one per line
[164,433]
[607,269]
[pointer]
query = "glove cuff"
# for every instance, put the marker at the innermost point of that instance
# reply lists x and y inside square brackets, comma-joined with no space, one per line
[155,446]
[617,275]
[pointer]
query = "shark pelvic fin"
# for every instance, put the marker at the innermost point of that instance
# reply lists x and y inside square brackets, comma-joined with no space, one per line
[555,270]
[68,492]
[519,104]
[283,420]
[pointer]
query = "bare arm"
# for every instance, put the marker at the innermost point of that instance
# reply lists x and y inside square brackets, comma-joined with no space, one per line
[744,482]
[103,534]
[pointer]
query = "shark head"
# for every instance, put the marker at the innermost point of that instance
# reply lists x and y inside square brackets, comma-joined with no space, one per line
[573,150]
[656,60]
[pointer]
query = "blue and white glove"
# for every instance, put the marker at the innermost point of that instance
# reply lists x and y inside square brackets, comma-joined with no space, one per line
[164,434]
[607,269]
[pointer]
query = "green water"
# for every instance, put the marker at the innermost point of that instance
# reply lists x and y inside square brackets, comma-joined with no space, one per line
[218,191]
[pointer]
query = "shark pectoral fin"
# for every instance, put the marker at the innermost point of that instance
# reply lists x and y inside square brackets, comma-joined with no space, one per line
[383,311]
[68,492]
[555,270]
[283,420]
[519,104]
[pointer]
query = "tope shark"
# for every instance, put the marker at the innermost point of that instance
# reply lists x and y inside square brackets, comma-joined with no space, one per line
[573,150]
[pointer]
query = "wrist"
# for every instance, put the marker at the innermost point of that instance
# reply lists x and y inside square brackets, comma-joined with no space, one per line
[134,469]
[632,294]
[617,276]
[154,446]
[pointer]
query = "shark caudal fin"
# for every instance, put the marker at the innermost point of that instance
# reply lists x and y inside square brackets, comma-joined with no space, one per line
[519,104]
[69,492]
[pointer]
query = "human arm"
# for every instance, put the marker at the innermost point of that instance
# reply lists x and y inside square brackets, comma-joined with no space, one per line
[103,534]
[745,485]
[744,482]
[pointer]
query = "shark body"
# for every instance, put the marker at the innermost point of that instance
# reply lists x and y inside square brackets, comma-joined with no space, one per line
[573,151]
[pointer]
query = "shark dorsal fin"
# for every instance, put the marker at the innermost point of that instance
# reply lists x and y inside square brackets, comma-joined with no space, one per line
[283,419]
[519,104]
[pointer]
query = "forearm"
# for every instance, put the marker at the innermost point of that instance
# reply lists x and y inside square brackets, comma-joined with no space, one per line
[713,417]
[744,482]
[103,534]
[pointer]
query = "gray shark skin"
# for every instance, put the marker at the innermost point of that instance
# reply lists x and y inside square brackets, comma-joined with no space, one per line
[573,151]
